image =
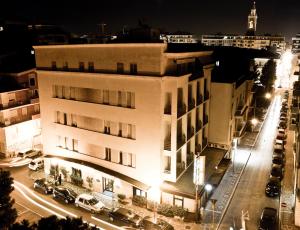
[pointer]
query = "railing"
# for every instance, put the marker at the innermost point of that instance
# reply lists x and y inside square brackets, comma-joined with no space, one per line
[167,109]
[189,158]
[181,140]
[191,104]
[199,99]
[206,95]
[167,144]
[180,167]
[190,132]
[198,125]
[204,142]
[13,104]
[181,110]
[198,149]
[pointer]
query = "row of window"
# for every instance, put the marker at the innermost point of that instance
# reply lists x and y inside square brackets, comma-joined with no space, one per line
[97,125]
[99,96]
[82,67]
[104,153]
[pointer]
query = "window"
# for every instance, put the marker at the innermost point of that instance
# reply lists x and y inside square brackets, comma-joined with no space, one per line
[167,164]
[32,82]
[91,67]
[106,127]
[108,154]
[53,65]
[108,184]
[81,66]
[106,97]
[65,66]
[131,160]
[120,68]
[139,192]
[133,68]
[75,145]
[120,158]
[120,134]
[178,201]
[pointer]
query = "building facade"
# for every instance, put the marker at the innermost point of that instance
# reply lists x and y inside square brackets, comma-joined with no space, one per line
[296,44]
[129,116]
[20,115]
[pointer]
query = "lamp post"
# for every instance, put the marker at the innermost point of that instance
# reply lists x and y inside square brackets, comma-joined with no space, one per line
[254,120]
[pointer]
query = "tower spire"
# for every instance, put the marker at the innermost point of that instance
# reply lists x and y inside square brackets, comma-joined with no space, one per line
[252,20]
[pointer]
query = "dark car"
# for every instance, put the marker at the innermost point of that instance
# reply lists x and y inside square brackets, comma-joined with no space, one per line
[284,109]
[277,171]
[268,219]
[278,159]
[281,136]
[149,223]
[278,148]
[65,194]
[273,187]
[43,185]
[125,216]
[282,125]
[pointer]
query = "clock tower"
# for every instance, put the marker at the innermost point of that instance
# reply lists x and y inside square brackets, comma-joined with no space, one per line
[252,20]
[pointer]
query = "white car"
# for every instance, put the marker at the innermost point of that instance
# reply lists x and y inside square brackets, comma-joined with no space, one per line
[36,164]
[89,202]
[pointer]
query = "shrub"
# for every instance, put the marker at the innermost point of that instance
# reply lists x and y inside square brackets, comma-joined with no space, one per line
[64,172]
[179,211]
[52,170]
[90,181]
[165,209]
[121,196]
[139,201]
[76,180]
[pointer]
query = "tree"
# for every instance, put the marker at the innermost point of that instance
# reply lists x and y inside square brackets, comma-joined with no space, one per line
[8,214]
[24,225]
[268,75]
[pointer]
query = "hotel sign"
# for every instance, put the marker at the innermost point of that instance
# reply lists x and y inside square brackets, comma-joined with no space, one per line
[199,170]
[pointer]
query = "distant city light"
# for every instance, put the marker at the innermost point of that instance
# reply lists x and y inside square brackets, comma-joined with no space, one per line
[1,28]
[32,52]
[217,63]
[268,95]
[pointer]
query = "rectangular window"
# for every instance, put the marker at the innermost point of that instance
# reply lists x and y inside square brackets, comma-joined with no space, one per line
[139,192]
[120,68]
[119,98]
[32,82]
[120,158]
[131,160]
[73,120]
[91,67]
[75,145]
[133,68]
[106,127]
[120,133]
[65,120]
[107,154]
[108,184]
[178,201]
[81,66]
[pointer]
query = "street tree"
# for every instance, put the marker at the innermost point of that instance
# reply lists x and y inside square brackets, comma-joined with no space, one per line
[8,214]
[268,75]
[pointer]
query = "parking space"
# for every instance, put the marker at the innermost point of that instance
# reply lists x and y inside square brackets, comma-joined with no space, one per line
[26,213]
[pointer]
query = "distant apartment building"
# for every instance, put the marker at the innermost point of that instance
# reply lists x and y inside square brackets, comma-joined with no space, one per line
[179,38]
[129,116]
[20,115]
[296,44]
[232,98]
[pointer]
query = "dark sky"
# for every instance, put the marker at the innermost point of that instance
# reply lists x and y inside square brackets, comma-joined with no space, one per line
[196,16]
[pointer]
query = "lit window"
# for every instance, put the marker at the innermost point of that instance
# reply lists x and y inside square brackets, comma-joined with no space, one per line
[1,28]
[217,63]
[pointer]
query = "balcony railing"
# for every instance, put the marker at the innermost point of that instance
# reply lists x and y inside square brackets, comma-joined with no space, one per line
[189,158]
[167,109]
[167,144]
[206,95]
[198,149]
[190,132]
[13,104]
[204,142]
[181,110]
[181,140]
[198,125]
[191,104]
[205,119]
[199,99]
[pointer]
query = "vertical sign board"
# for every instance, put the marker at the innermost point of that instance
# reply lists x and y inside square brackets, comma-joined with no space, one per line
[199,170]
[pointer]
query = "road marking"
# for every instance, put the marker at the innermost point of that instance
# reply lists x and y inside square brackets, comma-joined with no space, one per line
[29,209]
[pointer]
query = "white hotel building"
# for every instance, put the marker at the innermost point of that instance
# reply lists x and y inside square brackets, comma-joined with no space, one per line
[129,116]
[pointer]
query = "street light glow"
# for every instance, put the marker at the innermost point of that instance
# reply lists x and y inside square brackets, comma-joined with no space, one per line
[208,187]
[268,95]
[254,121]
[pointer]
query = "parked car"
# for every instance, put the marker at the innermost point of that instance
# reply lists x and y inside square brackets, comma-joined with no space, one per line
[278,159]
[283,118]
[282,125]
[282,131]
[89,202]
[273,187]
[29,153]
[279,149]
[283,114]
[148,223]
[64,194]
[125,216]
[277,171]
[281,136]
[36,164]
[268,219]
[284,109]
[279,142]
[43,185]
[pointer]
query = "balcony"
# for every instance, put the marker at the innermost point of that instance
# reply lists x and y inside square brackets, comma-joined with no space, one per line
[167,143]
[240,111]
[180,167]
[204,142]
[205,120]
[198,149]
[206,95]
[190,132]
[198,125]
[13,104]
[199,99]
[181,139]
[191,104]
[189,158]
[181,110]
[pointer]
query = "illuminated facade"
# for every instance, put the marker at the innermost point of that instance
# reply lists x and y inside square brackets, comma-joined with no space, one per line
[130,116]
[20,115]
[179,38]
[252,19]
[296,44]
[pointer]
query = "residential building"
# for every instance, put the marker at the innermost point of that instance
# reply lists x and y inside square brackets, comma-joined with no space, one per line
[19,114]
[296,44]
[179,37]
[130,116]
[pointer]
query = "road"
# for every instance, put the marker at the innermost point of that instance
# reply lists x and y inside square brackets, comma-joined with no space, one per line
[33,205]
[250,193]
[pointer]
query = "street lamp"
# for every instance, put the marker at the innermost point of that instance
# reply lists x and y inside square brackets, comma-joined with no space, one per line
[254,122]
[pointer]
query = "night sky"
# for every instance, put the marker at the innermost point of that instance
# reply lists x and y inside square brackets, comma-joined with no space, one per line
[195,16]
